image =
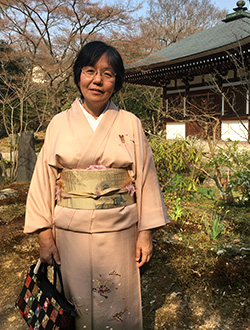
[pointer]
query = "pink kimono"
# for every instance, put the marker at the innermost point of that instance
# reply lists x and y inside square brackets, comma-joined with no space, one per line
[97,247]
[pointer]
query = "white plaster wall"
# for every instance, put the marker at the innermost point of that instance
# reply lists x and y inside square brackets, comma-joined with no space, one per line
[175,130]
[234,130]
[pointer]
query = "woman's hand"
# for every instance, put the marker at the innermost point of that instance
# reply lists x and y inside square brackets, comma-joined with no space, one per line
[48,247]
[144,247]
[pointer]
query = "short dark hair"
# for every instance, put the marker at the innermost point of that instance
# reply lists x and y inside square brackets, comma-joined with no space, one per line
[90,54]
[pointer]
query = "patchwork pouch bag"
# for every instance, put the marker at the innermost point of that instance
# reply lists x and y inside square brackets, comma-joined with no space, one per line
[41,304]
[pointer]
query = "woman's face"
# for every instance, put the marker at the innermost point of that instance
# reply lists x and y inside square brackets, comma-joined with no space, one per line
[97,84]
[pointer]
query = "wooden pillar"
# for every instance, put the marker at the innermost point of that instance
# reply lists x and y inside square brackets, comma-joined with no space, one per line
[248,129]
[164,105]
[186,80]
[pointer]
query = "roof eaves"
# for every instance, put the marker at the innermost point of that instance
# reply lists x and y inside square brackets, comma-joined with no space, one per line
[165,62]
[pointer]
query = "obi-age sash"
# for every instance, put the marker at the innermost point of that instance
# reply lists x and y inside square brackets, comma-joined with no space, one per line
[95,189]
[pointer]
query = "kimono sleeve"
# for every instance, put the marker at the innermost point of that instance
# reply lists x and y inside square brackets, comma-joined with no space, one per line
[151,209]
[41,196]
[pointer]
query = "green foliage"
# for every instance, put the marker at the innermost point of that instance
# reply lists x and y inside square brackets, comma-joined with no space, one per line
[231,172]
[215,224]
[174,163]
[240,183]
[182,184]
[178,211]
[208,193]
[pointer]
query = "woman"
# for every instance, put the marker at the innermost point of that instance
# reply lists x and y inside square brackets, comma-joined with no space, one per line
[94,197]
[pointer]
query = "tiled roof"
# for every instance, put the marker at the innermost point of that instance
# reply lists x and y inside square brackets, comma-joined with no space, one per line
[217,37]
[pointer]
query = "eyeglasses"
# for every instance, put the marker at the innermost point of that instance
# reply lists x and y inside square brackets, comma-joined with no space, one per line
[90,72]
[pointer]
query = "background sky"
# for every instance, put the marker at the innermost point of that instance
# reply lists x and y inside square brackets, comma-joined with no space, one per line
[222,4]
[228,4]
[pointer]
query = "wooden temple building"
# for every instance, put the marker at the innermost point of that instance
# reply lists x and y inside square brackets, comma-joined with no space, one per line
[209,70]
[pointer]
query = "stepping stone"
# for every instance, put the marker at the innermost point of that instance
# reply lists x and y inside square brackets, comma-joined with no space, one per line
[7,193]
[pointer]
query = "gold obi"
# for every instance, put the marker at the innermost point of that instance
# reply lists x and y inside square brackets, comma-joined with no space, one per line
[95,189]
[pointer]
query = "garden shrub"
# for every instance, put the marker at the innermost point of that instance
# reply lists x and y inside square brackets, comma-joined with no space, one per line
[174,163]
[230,169]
